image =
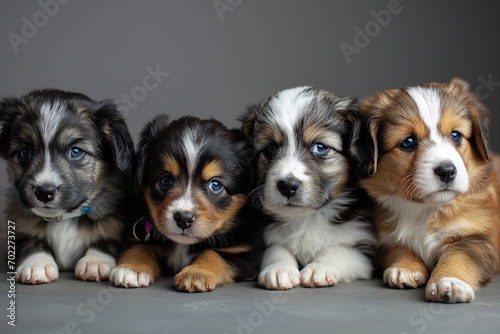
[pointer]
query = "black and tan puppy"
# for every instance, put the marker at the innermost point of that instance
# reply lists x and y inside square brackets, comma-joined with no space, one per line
[66,156]
[194,176]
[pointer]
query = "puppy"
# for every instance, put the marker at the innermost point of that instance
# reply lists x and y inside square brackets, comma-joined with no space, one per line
[437,194]
[66,155]
[194,176]
[306,141]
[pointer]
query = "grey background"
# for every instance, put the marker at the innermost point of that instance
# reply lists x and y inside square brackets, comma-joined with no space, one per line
[220,64]
[216,68]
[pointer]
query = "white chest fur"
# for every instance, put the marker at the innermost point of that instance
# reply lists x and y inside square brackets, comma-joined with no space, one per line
[67,242]
[306,236]
[411,230]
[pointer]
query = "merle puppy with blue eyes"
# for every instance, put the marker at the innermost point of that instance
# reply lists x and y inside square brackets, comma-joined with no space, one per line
[68,160]
[194,177]
[309,154]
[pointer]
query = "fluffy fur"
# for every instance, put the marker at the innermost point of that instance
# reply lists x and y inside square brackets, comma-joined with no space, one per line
[194,176]
[64,152]
[306,141]
[438,197]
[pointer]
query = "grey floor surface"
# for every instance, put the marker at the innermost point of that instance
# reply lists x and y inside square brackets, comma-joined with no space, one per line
[73,306]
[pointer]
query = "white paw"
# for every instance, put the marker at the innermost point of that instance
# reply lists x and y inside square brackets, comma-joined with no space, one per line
[38,268]
[449,290]
[317,275]
[95,266]
[129,278]
[278,277]
[404,278]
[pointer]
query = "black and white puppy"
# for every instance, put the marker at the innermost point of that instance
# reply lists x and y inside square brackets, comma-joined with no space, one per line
[66,156]
[307,144]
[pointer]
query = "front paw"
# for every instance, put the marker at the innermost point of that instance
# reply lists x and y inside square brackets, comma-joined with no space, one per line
[95,266]
[449,290]
[37,269]
[403,278]
[279,277]
[128,278]
[189,280]
[318,275]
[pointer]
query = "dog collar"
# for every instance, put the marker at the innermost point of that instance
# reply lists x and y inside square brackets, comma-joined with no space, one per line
[148,227]
[82,211]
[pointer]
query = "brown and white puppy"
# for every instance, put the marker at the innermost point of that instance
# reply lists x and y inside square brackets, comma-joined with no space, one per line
[438,198]
[194,176]
[307,144]
[66,155]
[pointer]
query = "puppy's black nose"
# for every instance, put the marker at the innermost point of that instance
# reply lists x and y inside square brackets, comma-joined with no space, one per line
[45,193]
[288,187]
[184,219]
[446,172]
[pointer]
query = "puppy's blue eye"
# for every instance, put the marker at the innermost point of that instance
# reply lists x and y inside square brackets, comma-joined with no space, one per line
[75,153]
[408,144]
[165,182]
[320,148]
[215,186]
[456,137]
[269,150]
[24,154]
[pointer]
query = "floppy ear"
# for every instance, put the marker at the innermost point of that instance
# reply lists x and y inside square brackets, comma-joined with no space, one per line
[249,118]
[364,148]
[8,109]
[480,124]
[361,146]
[116,137]
[245,155]
[148,135]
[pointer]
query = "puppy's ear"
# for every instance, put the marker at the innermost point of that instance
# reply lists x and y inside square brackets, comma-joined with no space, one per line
[480,126]
[478,111]
[9,108]
[244,157]
[147,136]
[360,146]
[249,118]
[364,148]
[117,140]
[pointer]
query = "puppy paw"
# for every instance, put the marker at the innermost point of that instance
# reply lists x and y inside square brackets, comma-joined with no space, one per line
[192,280]
[317,275]
[278,277]
[37,269]
[449,290]
[95,266]
[129,278]
[404,278]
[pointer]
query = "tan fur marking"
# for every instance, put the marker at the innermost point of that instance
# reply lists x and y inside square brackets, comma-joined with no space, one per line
[171,166]
[235,250]
[211,170]
[212,222]
[205,273]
